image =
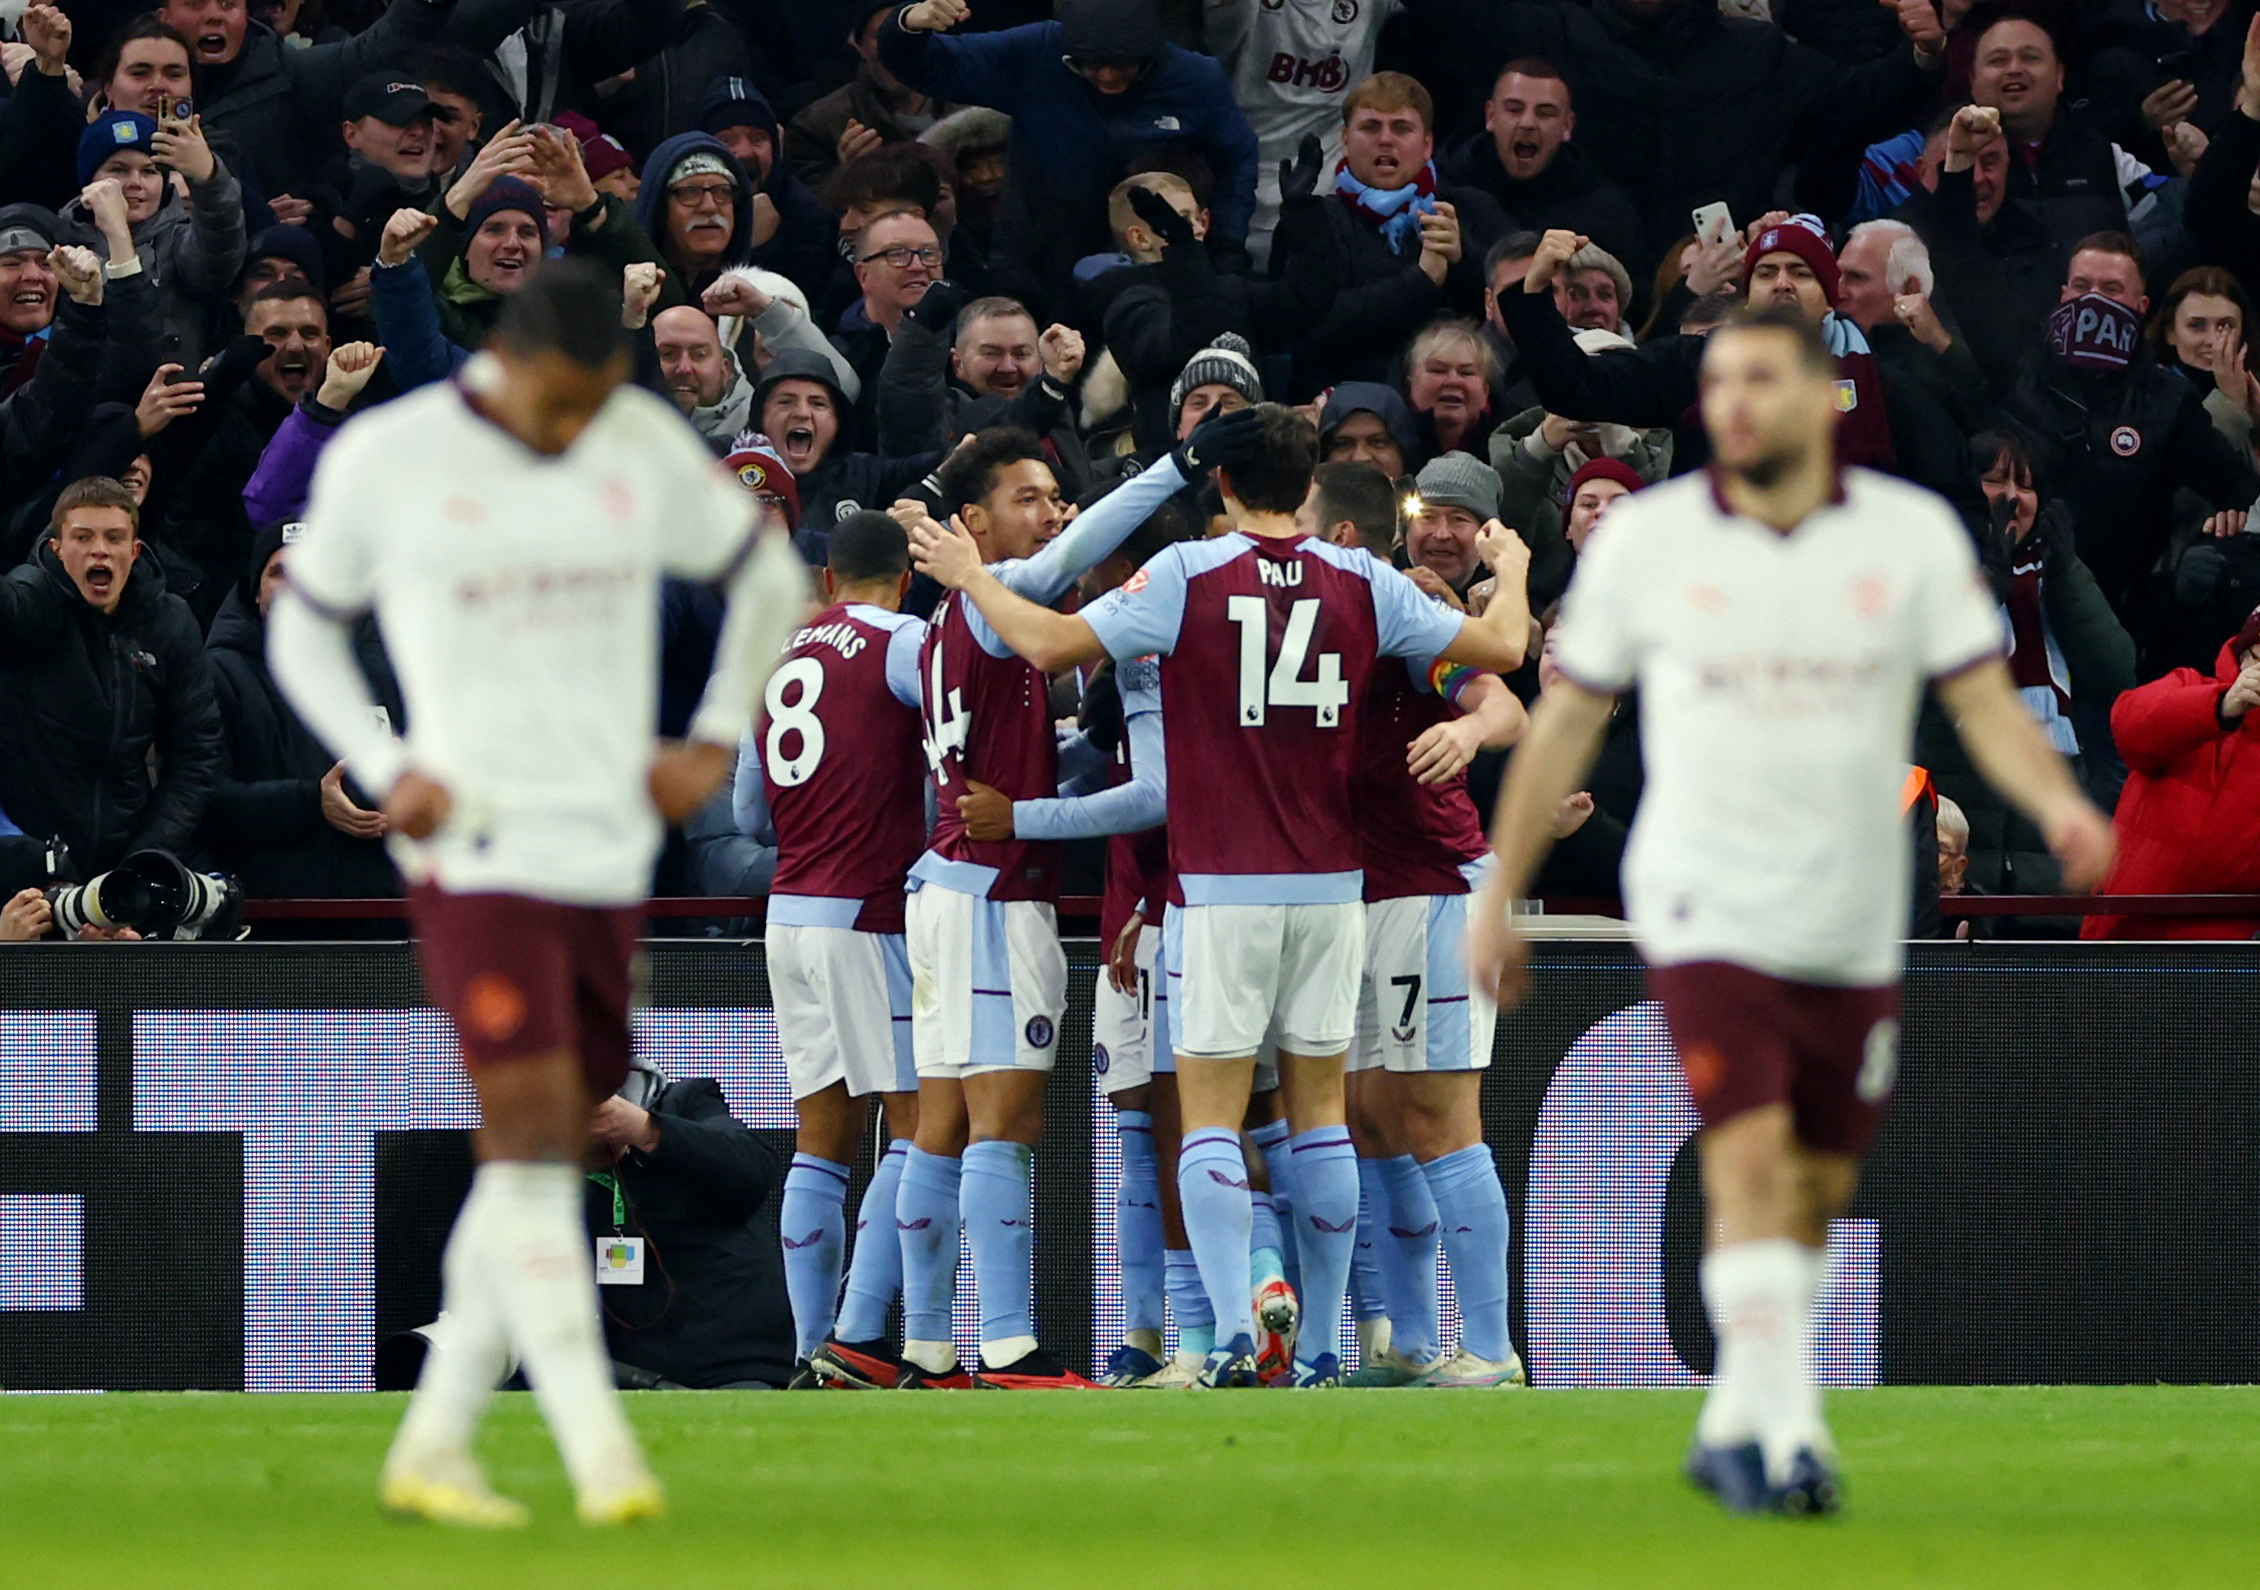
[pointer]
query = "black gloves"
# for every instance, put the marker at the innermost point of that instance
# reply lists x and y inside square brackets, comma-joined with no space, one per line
[1225,439]
[937,311]
[1161,218]
[1298,178]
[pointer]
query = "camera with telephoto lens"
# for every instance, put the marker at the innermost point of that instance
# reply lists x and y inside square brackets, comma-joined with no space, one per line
[154,893]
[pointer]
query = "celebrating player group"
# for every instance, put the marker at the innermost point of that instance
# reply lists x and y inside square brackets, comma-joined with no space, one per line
[1307,930]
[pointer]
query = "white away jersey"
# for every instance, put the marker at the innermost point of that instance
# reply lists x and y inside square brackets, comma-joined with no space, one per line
[1779,679]
[519,596]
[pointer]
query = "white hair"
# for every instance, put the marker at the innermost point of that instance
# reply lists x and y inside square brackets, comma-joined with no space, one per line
[1908,254]
[1953,827]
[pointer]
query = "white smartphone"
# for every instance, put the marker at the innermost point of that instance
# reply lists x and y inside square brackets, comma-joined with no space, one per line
[1714,224]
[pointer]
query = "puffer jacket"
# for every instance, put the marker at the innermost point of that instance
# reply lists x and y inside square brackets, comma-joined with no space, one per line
[87,699]
[2189,817]
[191,253]
[265,821]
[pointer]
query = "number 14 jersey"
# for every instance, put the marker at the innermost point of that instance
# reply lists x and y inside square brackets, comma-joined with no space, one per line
[1266,646]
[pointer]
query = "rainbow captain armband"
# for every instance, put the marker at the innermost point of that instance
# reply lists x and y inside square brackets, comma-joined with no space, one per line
[1448,679]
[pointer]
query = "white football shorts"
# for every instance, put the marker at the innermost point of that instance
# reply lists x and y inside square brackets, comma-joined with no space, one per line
[1286,974]
[1416,1011]
[842,1000]
[1122,1026]
[988,982]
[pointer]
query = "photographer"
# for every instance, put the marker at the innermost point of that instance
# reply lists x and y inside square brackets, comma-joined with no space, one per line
[102,679]
[701,1300]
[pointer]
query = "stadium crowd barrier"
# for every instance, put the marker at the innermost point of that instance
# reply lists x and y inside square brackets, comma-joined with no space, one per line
[233,1166]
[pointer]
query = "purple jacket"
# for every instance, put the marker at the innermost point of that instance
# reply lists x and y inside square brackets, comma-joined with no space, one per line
[277,489]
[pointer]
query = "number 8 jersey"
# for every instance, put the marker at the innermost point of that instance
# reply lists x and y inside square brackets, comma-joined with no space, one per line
[1267,646]
[840,753]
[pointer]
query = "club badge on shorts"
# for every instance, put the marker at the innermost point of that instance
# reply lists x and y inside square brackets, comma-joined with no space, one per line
[1039,1032]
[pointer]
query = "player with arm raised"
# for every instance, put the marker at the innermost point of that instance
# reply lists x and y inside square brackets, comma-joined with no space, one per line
[515,568]
[1424,1034]
[1267,639]
[1781,619]
[839,755]
[1129,811]
[989,981]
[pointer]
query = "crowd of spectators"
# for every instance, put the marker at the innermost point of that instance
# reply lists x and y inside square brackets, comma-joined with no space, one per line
[1481,241]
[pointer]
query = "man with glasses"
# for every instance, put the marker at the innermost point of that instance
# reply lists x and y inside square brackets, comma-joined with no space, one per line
[1088,95]
[897,258]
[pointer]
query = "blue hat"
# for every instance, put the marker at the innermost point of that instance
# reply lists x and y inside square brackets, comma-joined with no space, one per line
[112,131]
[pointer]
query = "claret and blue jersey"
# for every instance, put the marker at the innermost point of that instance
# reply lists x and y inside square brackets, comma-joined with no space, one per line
[1266,648]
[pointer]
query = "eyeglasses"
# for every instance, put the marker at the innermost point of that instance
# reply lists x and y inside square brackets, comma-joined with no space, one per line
[900,256]
[717,194]
[1086,66]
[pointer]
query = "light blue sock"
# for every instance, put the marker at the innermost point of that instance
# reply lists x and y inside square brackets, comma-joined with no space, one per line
[1408,1258]
[1212,1188]
[1137,1222]
[813,1222]
[1188,1303]
[926,1218]
[1265,1263]
[999,1181]
[875,1267]
[1326,1227]
[1472,1208]
[1369,1298]
[1278,1159]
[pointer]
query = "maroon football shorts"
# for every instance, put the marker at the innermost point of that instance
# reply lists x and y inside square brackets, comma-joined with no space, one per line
[1747,1040]
[523,977]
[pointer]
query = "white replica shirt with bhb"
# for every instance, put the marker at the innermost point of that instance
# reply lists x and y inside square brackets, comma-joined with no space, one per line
[519,598]
[1779,678]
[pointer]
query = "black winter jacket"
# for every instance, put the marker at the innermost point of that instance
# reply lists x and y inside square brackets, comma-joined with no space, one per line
[1571,193]
[1384,296]
[711,1310]
[2115,445]
[86,698]
[265,822]
[2000,280]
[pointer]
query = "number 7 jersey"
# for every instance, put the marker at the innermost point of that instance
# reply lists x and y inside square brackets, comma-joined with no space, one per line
[1267,647]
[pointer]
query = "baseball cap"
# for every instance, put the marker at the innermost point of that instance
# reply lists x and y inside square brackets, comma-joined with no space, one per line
[392,100]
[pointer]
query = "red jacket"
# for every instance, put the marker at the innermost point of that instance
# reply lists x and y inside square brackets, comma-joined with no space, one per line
[2189,817]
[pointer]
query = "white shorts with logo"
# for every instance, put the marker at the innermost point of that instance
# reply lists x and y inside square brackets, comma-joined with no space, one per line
[988,982]
[1122,1026]
[1416,1011]
[842,1000]
[1256,975]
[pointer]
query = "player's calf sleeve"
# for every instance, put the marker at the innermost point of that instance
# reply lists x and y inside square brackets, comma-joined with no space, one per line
[1471,1211]
[1326,1228]
[926,1219]
[1407,1245]
[1758,1295]
[812,1220]
[875,1267]
[469,1356]
[1278,1159]
[1368,1295]
[996,1197]
[1212,1188]
[1264,1260]
[1188,1302]
[547,1279]
[1137,1222]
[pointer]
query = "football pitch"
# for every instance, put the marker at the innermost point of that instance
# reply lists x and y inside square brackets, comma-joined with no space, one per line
[1989,1487]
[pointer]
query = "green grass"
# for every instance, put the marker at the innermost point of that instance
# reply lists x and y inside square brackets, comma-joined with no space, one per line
[1995,1488]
